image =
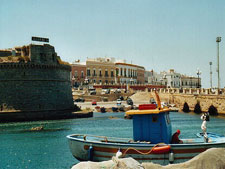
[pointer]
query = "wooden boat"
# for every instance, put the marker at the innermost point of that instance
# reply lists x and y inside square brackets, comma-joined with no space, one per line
[151,140]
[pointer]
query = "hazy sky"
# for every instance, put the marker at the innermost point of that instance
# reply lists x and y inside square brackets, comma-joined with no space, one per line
[156,34]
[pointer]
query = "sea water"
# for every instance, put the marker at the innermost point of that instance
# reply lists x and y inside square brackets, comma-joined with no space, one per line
[21,148]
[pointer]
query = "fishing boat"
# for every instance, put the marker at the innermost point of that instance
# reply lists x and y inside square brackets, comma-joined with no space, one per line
[151,140]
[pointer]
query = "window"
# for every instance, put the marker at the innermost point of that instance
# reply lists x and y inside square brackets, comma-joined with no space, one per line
[117,72]
[112,74]
[82,74]
[125,72]
[100,73]
[121,71]
[106,73]
[75,73]
[88,72]
[94,72]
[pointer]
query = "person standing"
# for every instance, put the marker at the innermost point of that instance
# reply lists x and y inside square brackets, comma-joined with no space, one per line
[205,118]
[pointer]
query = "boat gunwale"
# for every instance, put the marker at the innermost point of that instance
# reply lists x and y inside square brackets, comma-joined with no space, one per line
[139,144]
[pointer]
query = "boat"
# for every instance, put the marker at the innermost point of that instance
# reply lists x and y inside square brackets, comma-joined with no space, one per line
[103,110]
[209,135]
[115,109]
[151,140]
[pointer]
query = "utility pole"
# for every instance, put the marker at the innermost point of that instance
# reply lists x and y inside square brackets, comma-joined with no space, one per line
[210,64]
[218,40]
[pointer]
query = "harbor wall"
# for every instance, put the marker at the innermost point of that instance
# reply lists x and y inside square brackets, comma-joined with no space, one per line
[205,100]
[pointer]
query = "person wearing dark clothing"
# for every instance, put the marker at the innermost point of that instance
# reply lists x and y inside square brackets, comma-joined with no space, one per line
[175,138]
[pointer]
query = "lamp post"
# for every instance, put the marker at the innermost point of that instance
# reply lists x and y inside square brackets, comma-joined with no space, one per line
[198,73]
[218,40]
[210,64]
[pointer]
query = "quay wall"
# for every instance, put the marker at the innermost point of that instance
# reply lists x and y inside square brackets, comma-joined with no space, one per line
[32,91]
[192,98]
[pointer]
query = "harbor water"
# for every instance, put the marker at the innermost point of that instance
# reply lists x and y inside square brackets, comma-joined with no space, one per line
[48,149]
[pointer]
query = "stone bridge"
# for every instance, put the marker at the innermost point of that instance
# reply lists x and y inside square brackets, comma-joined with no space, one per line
[194,96]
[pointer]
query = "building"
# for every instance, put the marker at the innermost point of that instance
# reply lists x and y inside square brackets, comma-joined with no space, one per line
[190,82]
[140,75]
[78,73]
[126,73]
[129,73]
[100,71]
[172,79]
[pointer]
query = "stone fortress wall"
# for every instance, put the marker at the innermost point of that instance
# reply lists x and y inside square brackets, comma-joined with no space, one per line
[34,84]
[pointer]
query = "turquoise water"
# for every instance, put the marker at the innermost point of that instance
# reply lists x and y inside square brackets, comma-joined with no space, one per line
[48,149]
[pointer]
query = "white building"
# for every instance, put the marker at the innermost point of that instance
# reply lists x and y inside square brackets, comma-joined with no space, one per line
[127,73]
[172,79]
[190,82]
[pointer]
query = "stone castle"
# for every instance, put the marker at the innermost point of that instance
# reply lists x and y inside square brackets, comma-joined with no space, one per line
[34,84]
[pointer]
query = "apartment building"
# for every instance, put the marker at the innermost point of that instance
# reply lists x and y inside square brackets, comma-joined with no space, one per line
[101,71]
[78,73]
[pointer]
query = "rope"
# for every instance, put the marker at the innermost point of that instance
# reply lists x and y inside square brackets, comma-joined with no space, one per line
[149,152]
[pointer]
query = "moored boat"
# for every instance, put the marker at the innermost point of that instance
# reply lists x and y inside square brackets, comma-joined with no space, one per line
[151,140]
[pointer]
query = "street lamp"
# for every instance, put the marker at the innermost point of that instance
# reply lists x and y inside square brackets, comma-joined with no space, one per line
[191,81]
[210,64]
[198,73]
[218,40]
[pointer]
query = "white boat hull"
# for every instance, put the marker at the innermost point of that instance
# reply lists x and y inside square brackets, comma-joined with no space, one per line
[104,149]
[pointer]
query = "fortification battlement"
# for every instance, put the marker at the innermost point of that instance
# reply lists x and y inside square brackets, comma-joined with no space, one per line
[28,65]
[37,54]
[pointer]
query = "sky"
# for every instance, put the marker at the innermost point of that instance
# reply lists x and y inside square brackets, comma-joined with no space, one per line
[156,34]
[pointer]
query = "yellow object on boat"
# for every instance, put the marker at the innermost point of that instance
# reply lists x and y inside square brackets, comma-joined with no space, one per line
[151,111]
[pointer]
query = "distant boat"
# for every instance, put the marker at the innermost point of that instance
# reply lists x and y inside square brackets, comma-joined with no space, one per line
[151,140]
[103,110]
[115,109]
